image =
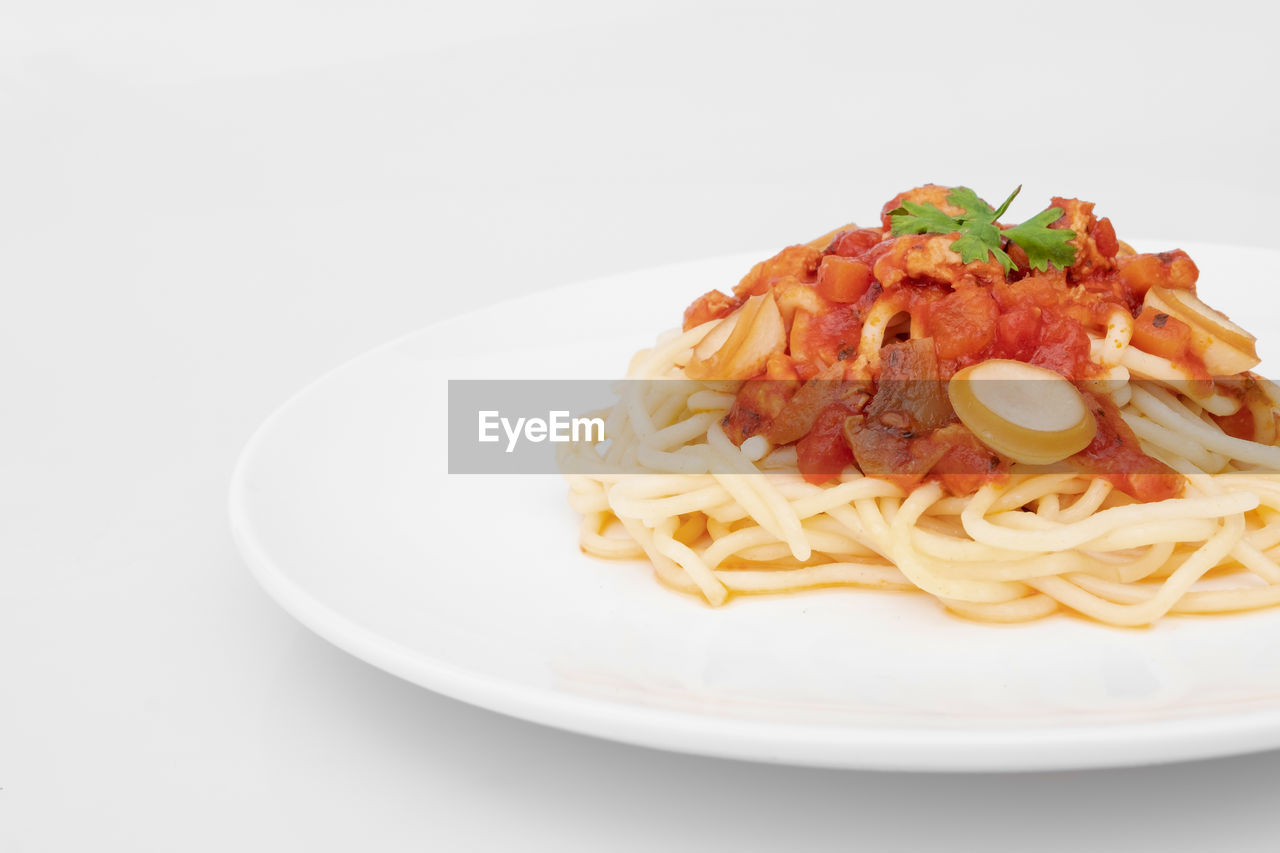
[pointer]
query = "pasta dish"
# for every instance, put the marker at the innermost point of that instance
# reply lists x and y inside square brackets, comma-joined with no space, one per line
[1012,418]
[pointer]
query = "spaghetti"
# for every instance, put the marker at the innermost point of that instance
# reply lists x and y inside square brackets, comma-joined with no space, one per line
[832,430]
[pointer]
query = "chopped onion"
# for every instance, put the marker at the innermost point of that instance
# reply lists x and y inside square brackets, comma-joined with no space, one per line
[1021,411]
[739,346]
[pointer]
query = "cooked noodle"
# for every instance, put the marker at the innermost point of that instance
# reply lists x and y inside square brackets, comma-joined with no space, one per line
[669,485]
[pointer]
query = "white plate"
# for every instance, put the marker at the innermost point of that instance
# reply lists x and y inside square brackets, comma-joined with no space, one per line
[474,586]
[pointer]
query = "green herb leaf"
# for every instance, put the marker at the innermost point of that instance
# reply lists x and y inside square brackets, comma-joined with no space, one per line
[975,208]
[980,237]
[1005,204]
[979,240]
[912,218]
[1045,245]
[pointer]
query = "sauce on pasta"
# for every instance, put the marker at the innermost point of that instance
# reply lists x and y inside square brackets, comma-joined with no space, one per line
[1012,418]
[972,313]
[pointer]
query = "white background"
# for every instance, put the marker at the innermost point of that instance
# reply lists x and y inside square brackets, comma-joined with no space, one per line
[204,207]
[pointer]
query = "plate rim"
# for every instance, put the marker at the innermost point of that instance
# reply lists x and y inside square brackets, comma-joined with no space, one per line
[1033,747]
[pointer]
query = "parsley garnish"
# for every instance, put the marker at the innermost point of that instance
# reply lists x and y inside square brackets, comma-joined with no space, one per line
[980,236]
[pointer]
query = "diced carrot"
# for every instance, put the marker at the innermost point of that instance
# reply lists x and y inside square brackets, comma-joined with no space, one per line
[1161,335]
[1167,269]
[843,279]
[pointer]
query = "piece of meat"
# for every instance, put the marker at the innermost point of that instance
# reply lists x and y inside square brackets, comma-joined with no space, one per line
[712,305]
[930,257]
[934,194]
[793,294]
[799,261]
[1078,216]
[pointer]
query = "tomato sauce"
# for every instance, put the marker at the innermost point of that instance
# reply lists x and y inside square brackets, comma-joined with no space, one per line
[1114,455]
[972,312]
[823,453]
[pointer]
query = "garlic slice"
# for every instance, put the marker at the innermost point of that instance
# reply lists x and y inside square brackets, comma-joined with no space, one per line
[1225,348]
[1027,413]
[740,344]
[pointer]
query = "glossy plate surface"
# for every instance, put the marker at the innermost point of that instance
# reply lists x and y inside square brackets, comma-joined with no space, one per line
[474,586]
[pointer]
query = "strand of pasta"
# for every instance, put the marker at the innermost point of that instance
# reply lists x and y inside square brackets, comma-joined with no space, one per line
[1147,611]
[908,559]
[1157,404]
[1078,533]
[709,522]
[785,518]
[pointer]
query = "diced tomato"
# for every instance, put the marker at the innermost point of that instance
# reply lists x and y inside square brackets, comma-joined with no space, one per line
[823,340]
[1104,237]
[1018,255]
[1018,332]
[843,279]
[1239,425]
[1162,335]
[963,322]
[851,244]
[839,333]
[876,252]
[1140,272]
[1042,290]
[823,453]
[968,464]
[1063,347]
[1183,272]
